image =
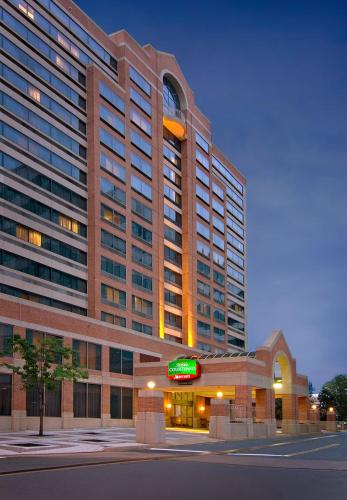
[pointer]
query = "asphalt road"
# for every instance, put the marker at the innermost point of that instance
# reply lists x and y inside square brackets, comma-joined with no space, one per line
[308,467]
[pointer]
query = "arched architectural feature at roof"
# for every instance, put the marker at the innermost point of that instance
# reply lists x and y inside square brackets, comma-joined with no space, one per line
[174,106]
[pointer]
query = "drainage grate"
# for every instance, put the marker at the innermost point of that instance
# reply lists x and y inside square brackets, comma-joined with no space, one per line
[94,440]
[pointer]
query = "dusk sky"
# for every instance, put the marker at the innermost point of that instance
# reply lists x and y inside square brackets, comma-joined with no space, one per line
[280,115]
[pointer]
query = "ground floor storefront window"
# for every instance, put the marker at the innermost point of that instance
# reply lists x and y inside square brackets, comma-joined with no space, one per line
[121,402]
[86,400]
[5,394]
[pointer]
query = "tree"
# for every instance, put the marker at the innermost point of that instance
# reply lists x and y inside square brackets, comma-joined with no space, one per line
[334,393]
[43,365]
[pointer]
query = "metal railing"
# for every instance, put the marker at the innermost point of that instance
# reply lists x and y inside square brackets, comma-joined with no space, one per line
[174,113]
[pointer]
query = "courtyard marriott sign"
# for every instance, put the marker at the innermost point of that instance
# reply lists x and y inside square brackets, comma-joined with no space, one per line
[183,369]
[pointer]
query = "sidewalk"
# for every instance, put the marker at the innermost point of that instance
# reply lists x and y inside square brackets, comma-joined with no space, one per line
[86,441]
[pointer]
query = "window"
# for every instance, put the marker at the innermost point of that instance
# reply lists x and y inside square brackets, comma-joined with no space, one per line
[113,269]
[112,191]
[6,394]
[235,212]
[141,257]
[121,402]
[235,274]
[52,402]
[172,277]
[202,159]
[139,80]
[219,315]
[235,290]
[202,212]
[6,334]
[172,320]
[235,197]
[41,299]
[203,230]
[141,165]
[171,139]
[235,227]
[172,176]
[218,190]
[203,329]
[113,243]
[235,242]
[202,142]
[235,258]
[141,281]
[87,354]
[140,102]
[112,120]
[218,296]
[142,328]
[141,210]
[170,97]
[236,308]
[37,338]
[204,347]
[113,296]
[33,268]
[218,259]
[218,207]
[43,153]
[218,334]
[142,306]
[203,308]
[234,341]
[236,325]
[172,195]
[86,400]
[172,157]
[201,193]
[111,97]
[141,143]
[203,268]
[218,242]
[143,124]
[172,256]
[218,278]
[172,215]
[113,217]
[172,235]
[225,173]
[112,143]
[141,233]
[202,176]
[121,361]
[112,167]
[203,249]
[203,288]
[141,187]
[172,298]
[218,224]
[113,319]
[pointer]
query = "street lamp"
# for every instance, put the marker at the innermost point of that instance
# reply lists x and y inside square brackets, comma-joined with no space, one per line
[151,384]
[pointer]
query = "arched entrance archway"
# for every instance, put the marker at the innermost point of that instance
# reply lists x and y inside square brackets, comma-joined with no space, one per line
[285,400]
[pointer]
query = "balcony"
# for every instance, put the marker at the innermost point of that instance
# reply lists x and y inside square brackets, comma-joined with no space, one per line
[174,120]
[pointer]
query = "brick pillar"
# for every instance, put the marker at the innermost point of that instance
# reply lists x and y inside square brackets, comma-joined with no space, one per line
[67,396]
[303,409]
[314,419]
[18,394]
[243,403]
[220,419]
[265,409]
[150,421]
[290,423]
[331,420]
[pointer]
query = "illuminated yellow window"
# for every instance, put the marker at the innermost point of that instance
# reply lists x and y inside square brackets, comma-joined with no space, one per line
[74,227]
[30,13]
[107,214]
[109,294]
[23,7]
[35,94]
[61,63]
[35,238]
[22,233]
[65,222]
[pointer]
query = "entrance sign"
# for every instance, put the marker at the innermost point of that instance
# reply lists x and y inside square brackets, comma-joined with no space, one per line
[183,369]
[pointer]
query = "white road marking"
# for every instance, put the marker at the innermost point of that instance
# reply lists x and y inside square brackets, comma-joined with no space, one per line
[256,455]
[178,449]
[314,450]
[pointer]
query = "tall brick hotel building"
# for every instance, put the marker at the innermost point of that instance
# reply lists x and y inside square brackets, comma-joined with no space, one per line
[122,226]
